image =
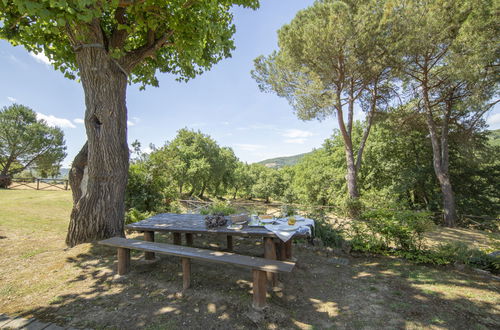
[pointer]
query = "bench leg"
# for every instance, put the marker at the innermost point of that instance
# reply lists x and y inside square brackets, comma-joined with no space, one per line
[189,239]
[259,289]
[177,239]
[270,253]
[149,236]
[229,243]
[123,261]
[186,273]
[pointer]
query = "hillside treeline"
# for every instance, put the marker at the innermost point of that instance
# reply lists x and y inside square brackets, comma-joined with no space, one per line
[397,171]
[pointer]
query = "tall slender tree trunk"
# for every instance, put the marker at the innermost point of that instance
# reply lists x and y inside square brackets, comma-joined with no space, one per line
[351,175]
[440,156]
[99,172]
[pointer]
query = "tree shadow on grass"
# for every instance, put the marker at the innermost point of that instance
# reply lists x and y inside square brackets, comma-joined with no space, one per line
[368,293]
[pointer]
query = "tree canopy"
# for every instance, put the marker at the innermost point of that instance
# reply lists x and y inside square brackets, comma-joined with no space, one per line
[182,37]
[332,56]
[27,141]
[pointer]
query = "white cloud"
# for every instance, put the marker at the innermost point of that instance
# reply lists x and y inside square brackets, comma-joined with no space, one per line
[248,147]
[78,121]
[296,141]
[296,133]
[54,121]
[493,120]
[11,99]
[41,58]
[130,123]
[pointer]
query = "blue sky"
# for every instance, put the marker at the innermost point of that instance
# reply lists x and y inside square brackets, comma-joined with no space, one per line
[224,103]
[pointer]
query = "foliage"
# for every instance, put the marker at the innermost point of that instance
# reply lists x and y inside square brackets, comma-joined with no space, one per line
[198,163]
[383,229]
[5,181]
[218,208]
[143,37]
[398,166]
[448,53]
[26,141]
[268,182]
[331,234]
[494,137]
[149,186]
[134,215]
[456,252]
[331,56]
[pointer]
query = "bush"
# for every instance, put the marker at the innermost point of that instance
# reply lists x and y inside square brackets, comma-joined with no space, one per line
[329,233]
[145,191]
[456,252]
[5,181]
[218,208]
[134,215]
[352,207]
[383,229]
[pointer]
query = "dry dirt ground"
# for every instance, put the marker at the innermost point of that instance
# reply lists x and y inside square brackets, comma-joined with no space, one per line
[78,287]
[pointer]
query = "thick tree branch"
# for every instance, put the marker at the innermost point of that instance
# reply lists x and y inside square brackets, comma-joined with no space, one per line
[133,58]
[119,36]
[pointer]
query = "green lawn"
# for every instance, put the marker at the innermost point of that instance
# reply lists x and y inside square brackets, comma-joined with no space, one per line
[77,287]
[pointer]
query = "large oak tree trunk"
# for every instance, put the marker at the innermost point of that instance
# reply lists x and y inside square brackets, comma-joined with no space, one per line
[99,172]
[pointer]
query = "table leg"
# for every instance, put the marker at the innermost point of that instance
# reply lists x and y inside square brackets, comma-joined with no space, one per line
[149,236]
[288,249]
[177,239]
[282,250]
[270,253]
[229,243]
[189,239]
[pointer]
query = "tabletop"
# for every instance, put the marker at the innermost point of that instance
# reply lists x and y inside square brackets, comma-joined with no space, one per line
[194,223]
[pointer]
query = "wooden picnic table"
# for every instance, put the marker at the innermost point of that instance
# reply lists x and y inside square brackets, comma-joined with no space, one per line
[190,224]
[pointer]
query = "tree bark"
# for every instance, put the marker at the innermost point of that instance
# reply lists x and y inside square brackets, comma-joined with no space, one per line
[440,156]
[351,176]
[99,172]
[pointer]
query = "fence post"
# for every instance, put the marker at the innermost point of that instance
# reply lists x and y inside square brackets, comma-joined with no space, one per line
[37,184]
[66,185]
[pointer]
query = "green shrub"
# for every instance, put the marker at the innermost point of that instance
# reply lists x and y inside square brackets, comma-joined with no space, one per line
[134,215]
[218,208]
[330,233]
[352,207]
[456,252]
[148,191]
[5,181]
[382,229]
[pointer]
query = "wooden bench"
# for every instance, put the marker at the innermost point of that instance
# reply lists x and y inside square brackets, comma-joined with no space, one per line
[259,266]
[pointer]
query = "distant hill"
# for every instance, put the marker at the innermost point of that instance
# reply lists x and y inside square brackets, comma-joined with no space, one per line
[282,161]
[495,137]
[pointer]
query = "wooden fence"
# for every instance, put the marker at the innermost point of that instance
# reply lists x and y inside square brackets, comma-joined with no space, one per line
[39,184]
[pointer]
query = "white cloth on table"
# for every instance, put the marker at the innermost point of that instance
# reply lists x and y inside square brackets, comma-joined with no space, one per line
[306,227]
